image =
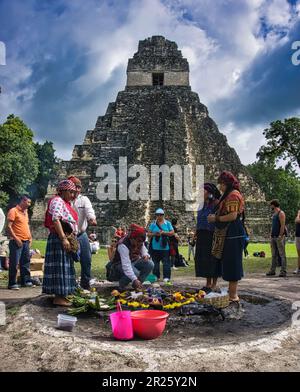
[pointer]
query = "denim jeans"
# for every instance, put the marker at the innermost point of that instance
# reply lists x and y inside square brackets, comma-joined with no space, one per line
[85,260]
[141,268]
[18,255]
[191,251]
[164,256]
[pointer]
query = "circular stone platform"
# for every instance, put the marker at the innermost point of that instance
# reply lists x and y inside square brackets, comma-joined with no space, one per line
[258,316]
[259,338]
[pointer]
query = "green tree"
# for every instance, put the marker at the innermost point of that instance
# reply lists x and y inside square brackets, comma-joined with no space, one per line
[47,166]
[282,184]
[283,142]
[18,158]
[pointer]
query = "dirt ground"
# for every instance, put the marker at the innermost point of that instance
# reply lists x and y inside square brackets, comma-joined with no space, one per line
[30,341]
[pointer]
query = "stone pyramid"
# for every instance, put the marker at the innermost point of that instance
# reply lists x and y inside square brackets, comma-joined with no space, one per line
[157,120]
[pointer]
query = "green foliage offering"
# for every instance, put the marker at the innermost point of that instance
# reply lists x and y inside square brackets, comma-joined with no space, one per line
[18,158]
[83,302]
[281,184]
[283,142]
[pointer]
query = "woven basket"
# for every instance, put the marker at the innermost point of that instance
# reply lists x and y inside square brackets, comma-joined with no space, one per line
[218,302]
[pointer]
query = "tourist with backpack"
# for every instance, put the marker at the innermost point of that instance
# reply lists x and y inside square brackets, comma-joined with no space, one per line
[159,233]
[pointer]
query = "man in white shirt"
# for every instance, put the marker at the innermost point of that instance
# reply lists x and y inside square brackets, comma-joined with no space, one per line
[86,216]
[132,262]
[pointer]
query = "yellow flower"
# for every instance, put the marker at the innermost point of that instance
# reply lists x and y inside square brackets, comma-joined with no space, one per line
[134,304]
[123,301]
[176,305]
[178,296]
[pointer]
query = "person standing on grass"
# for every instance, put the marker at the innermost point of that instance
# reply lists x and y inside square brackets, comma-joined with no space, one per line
[297,221]
[278,235]
[19,244]
[229,234]
[174,243]
[159,233]
[206,266]
[62,221]
[86,216]
[191,245]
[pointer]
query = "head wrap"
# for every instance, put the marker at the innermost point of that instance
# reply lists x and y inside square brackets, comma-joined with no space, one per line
[229,179]
[75,180]
[66,185]
[136,231]
[211,188]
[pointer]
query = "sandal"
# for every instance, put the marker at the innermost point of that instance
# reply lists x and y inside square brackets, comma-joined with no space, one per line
[235,302]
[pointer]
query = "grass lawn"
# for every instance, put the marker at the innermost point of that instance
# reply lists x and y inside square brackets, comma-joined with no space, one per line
[251,265]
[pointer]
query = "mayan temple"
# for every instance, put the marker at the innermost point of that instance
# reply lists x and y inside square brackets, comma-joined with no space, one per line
[156,120]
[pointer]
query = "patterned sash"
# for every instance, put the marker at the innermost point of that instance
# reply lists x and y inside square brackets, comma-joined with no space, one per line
[218,242]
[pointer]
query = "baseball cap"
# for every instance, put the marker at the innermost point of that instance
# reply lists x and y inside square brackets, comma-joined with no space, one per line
[159,211]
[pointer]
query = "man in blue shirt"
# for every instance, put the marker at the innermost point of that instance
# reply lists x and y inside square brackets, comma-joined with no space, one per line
[159,232]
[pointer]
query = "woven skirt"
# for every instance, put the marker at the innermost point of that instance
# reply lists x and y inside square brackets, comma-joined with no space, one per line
[206,266]
[232,258]
[59,271]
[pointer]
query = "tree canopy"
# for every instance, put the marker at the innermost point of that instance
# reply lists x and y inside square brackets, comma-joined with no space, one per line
[278,183]
[18,158]
[47,162]
[25,166]
[283,142]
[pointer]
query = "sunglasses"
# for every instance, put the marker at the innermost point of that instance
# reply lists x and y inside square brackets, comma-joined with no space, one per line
[159,214]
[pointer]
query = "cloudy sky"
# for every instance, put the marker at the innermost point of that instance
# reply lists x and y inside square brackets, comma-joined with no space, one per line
[66,60]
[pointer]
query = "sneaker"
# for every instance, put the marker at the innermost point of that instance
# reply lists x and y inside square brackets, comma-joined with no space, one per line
[27,284]
[282,275]
[14,287]
[167,282]
[36,282]
[174,268]
[270,273]
[297,271]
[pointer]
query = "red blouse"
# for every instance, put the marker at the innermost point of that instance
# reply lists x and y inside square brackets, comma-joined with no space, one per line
[234,202]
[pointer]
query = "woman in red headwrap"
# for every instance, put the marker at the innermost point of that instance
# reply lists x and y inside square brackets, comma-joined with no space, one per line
[229,233]
[61,220]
